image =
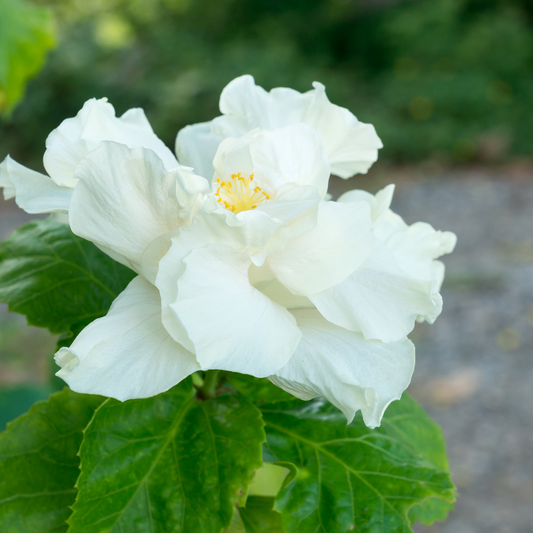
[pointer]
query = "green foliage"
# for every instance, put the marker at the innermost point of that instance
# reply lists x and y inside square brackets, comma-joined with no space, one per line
[430,511]
[168,463]
[39,463]
[259,517]
[447,78]
[351,477]
[59,281]
[27,32]
[260,390]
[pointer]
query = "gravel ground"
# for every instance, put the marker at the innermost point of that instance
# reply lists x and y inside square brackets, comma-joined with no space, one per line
[474,372]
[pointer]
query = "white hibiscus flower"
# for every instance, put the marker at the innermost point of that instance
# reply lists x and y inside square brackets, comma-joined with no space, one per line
[351,146]
[267,279]
[248,268]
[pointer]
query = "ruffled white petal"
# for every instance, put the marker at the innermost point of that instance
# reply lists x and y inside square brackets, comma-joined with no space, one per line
[128,353]
[125,199]
[246,106]
[317,258]
[351,146]
[291,154]
[34,192]
[251,232]
[402,272]
[232,325]
[233,156]
[379,203]
[351,372]
[290,202]
[96,122]
[196,147]
[415,246]
[379,299]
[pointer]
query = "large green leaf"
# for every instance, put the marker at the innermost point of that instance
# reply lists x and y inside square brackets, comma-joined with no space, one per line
[39,463]
[171,463]
[351,478]
[56,279]
[27,32]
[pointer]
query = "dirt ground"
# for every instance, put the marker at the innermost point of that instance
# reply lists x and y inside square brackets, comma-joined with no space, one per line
[474,371]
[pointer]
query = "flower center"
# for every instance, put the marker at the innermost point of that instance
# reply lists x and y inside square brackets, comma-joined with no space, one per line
[239,194]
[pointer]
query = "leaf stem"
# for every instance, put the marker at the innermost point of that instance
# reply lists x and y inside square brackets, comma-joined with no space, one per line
[211,382]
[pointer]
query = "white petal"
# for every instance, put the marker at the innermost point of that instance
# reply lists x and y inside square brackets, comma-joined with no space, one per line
[379,203]
[196,147]
[351,146]
[415,249]
[290,202]
[34,192]
[247,106]
[418,245]
[281,295]
[136,117]
[96,122]
[233,156]
[251,232]
[125,199]
[128,353]
[379,299]
[352,373]
[232,325]
[326,254]
[291,154]
[5,179]
[412,249]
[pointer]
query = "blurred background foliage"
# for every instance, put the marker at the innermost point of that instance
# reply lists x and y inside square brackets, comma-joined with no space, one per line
[26,33]
[450,80]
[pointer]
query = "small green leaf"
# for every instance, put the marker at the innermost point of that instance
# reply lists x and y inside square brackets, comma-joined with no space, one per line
[167,463]
[269,479]
[59,281]
[27,32]
[351,478]
[39,463]
[259,517]
[261,390]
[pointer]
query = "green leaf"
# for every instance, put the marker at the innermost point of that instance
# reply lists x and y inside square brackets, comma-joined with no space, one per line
[261,390]
[415,434]
[236,526]
[259,517]
[167,463]
[430,511]
[59,281]
[39,463]
[27,32]
[351,478]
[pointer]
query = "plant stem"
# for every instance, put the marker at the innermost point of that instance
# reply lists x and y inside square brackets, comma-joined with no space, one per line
[210,383]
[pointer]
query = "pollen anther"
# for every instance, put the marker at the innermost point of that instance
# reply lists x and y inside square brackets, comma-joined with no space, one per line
[238,194]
